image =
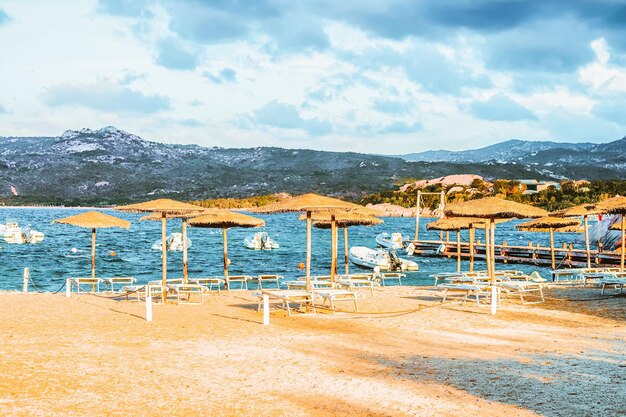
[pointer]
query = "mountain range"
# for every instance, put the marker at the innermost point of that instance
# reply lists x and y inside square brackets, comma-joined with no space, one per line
[556,159]
[109,165]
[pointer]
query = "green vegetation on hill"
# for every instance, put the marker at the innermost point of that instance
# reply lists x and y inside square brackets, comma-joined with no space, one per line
[235,203]
[570,194]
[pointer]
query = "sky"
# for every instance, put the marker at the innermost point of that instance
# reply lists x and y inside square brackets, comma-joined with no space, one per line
[385,76]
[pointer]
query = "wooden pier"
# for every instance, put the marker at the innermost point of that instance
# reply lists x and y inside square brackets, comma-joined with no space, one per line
[566,256]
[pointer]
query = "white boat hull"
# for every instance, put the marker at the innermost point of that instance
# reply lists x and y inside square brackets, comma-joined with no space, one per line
[14,234]
[370,258]
[174,243]
[390,241]
[260,241]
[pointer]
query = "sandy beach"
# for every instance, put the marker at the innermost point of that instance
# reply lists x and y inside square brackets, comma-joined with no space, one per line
[93,355]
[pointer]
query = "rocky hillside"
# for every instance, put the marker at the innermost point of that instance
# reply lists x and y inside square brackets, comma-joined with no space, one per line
[109,166]
[558,160]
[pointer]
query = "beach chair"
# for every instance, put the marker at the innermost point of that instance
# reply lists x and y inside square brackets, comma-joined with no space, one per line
[617,280]
[332,295]
[301,284]
[266,279]
[478,291]
[89,281]
[184,293]
[123,281]
[354,284]
[524,288]
[390,276]
[287,297]
[210,283]
[242,280]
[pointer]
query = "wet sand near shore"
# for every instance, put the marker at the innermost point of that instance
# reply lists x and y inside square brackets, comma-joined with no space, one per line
[93,355]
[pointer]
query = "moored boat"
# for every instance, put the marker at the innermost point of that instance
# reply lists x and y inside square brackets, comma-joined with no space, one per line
[260,241]
[174,242]
[13,233]
[386,260]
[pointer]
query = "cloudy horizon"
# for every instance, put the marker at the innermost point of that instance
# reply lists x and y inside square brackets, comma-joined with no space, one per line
[386,77]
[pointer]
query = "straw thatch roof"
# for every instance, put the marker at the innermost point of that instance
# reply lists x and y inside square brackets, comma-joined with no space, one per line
[94,220]
[576,211]
[162,205]
[159,216]
[616,226]
[342,219]
[217,218]
[456,223]
[493,207]
[614,205]
[547,223]
[313,202]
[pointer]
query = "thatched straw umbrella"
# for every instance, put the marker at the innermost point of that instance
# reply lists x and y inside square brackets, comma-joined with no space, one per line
[164,207]
[94,220]
[616,205]
[310,203]
[457,224]
[493,208]
[225,219]
[583,210]
[548,224]
[345,220]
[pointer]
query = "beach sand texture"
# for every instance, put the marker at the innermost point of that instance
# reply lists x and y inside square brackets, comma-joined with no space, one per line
[92,355]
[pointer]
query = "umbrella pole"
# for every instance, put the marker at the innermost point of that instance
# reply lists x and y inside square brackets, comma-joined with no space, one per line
[471,249]
[487,250]
[333,248]
[185,271]
[308,250]
[93,258]
[587,241]
[492,273]
[225,235]
[552,247]
[458,251]
[623,250]
[345,248]
[164,254]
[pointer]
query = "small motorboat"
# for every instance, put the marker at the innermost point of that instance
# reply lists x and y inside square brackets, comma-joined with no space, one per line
[174,242]
[395,241]
[260,241]
[390,241]
[13,233]
[386,260]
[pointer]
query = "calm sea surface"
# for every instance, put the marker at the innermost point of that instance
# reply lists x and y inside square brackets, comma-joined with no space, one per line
[53,260]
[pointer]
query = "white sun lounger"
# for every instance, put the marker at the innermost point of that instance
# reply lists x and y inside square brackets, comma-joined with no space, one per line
[286,297]
[261,279]
[331,296]
[524,287]
[113,281]
[78,282]
[477,290]
[155,291]
[209,282]
[617,280]
[184,293]
[241,279]
[354,284]
[301,284]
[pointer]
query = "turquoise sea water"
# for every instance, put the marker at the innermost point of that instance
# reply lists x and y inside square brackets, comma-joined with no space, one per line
[52,261]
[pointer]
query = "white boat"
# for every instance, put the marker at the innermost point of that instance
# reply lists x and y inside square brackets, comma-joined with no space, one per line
[174,242]
[260,240]
[390,241]
[386,260]
[13,233]
[395,241]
